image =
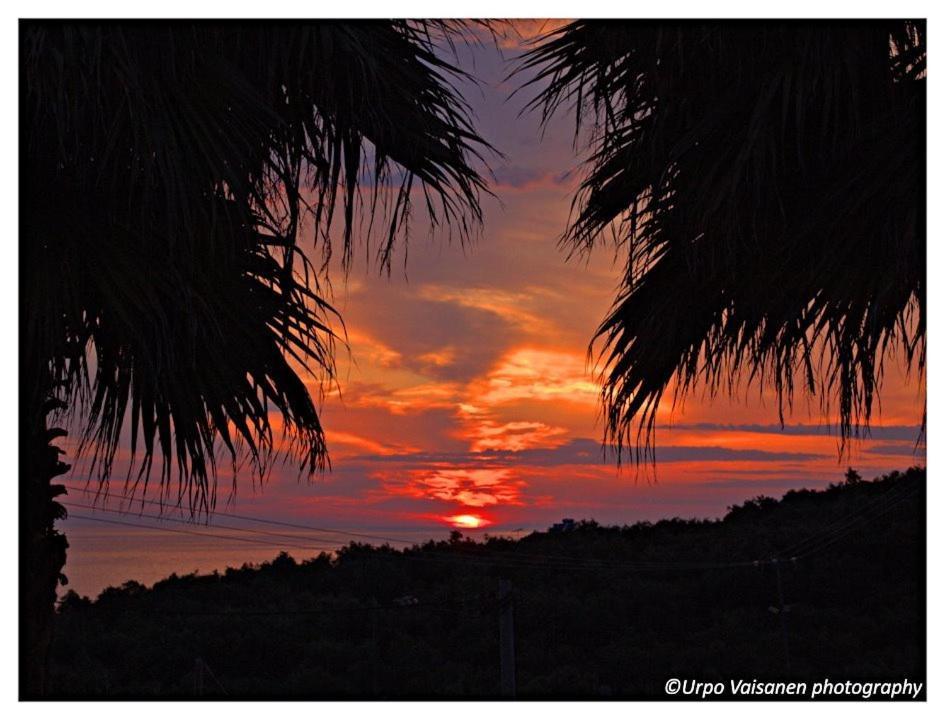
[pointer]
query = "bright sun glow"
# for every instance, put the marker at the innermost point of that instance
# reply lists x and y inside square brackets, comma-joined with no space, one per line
[466,521]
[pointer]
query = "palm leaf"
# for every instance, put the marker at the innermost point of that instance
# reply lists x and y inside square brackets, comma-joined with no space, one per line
[767,180]
[171,171]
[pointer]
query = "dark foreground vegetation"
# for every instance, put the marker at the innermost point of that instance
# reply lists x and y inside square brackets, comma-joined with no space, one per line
[598,611]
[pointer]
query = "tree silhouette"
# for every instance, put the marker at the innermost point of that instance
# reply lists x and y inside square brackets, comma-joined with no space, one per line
[169,171]
[767,182]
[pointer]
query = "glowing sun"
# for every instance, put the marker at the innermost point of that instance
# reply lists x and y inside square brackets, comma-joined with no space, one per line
[467,521]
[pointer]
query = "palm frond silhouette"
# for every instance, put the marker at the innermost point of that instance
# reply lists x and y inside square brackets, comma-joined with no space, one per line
[767,181]
[170,174]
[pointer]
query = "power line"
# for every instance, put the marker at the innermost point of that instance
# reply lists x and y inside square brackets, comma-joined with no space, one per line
[839,529]
[175,530]
[248,518]
[517,558]
[350,609]
[485,558]
[164,518]
[427,556]
[837,538]
[840,522]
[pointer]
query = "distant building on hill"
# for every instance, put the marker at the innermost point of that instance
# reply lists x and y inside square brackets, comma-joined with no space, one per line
[565,525]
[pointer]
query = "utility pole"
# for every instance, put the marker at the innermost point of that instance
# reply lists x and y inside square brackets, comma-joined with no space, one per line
[198,677]
[376,650]
[506,640]
[782,614]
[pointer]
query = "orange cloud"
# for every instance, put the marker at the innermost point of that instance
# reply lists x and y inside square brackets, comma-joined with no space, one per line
[511,307]
[336,437]
[399,401]
[439,358]
[371,351]
[475,487]
[539,374]
[514,436]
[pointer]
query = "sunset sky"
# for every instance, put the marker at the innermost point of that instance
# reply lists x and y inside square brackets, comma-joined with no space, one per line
[468,398]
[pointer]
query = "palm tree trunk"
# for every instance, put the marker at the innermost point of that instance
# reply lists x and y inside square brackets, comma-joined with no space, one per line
[42,547]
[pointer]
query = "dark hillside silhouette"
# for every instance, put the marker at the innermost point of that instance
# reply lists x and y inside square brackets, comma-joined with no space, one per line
[598,611]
